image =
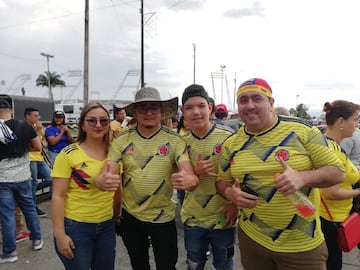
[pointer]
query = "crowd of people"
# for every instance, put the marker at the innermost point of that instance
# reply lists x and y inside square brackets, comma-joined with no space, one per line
[233,180]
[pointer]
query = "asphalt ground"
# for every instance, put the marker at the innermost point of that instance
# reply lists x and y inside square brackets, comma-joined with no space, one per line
[46,259]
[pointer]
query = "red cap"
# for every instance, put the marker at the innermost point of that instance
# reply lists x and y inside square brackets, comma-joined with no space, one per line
[221,108]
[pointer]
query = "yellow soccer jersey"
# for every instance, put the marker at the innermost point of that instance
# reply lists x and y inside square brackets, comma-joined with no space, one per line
[147,166]
[116,128]
[202,207]
[274,223]
[36,156]
[340,209]
[84,201]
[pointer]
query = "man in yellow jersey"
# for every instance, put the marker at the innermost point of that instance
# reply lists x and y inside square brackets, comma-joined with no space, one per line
[38,167]
[119,123]
[155,161]
[208,218]
[273,157]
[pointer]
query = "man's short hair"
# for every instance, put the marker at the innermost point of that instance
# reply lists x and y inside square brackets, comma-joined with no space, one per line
[194,90]
[29,110]
[8,99]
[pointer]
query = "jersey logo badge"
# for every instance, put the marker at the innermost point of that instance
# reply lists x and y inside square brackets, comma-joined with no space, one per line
[217,149]
[163,150]
[83,165]
[282,154]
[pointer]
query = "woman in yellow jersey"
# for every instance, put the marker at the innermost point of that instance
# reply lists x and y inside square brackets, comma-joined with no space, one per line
[341,119]
[82,215]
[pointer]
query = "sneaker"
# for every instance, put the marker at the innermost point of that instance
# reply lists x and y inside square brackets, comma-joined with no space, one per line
[23,236]
[38,244]
[40,213]
[9,258]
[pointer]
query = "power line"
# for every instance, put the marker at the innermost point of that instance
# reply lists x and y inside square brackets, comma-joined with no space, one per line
[62,16]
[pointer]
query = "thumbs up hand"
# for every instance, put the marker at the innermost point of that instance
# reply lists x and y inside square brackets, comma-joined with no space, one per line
[241,199]
[290,180]
[107,180]
[204,167]
[184,179]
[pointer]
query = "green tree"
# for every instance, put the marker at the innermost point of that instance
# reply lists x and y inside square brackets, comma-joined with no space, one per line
[301,112]
[53,77]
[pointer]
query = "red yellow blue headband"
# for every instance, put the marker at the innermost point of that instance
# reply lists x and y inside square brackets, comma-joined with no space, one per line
[255,85]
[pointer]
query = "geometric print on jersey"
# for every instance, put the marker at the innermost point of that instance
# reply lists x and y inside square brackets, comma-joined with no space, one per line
[296,223]
[161,215]
[142,160]
[265,192]
[203,200]
[263,152]
[162,188]
[79,178]
[192,220]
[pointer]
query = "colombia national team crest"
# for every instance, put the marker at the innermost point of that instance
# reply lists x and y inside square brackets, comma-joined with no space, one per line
[282,154]
[163,150]
[217,149]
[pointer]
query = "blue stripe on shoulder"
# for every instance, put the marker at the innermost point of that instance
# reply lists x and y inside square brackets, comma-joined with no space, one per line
[294,120]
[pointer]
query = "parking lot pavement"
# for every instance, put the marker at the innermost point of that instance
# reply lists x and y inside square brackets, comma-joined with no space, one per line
[46,258]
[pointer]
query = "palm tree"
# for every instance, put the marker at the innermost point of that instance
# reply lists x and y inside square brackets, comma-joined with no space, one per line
[55,80]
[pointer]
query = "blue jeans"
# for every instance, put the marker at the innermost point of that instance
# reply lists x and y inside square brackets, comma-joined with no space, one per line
[197,241]
[94,245]
[39,169]
[21,193]
[52,156]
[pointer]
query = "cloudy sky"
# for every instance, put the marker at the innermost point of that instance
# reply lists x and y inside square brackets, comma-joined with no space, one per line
[307,50]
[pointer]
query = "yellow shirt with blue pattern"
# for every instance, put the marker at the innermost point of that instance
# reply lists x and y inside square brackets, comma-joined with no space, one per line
[252,158]
[203,206]
[147,167]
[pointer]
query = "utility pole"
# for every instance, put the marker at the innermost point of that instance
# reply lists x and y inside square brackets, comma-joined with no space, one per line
[86,55]
[235,91]
[142,44]
[194,47]
[48,70]
[222,69]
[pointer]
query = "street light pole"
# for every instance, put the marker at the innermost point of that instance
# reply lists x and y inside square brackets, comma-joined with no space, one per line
[222,68]
[194,47]
[48,69]
[86,54]
[142,79]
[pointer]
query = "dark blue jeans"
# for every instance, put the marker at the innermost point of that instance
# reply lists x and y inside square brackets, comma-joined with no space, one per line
[197,241]
[94,245]
[21,193]
[163,236]
[39,169]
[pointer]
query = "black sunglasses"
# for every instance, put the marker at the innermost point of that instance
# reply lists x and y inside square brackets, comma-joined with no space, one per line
[92,122]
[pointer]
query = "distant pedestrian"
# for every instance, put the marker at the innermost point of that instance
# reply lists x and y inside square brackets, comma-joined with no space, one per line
[38,167]
[16,139]
[119,123]
[82,215]
[58,135]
